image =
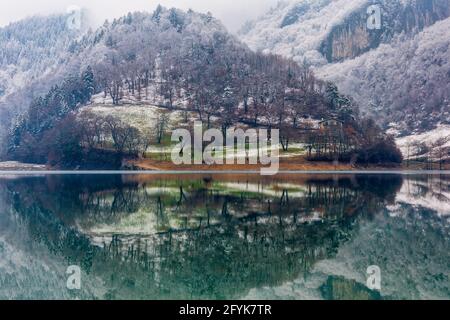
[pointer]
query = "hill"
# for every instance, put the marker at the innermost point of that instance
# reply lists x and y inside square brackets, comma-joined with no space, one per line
[188,63]
[398,73]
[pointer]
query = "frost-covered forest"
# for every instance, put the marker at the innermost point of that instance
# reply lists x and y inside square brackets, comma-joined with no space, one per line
[407,81]
[399,73]
[188,62]
[183,61]
[31,53]
[31,49]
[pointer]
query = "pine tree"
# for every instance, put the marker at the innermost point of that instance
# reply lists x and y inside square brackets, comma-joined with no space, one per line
[157,14]
[176,20]
[332,96]
[88,81]
[129,18]
[340,105]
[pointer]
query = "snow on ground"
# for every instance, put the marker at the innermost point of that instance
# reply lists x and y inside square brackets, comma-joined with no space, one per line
[409,145]
[18,166]
[433,194]
[142,117]
[275,190]
[148,96]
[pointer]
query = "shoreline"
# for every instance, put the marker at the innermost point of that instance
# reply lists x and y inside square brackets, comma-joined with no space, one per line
[220,172]
[156,168]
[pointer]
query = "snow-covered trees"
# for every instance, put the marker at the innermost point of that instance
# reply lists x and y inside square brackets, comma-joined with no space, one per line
[45,113]
[32,47]
[183,60]
[31,53]
[405,82]
[397,74]
[88,81]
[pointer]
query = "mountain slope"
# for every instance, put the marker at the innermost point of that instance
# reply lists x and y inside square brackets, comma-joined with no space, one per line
[185,61]
[406,81]
[323,31]
[398,73]
[32,48]
[297,29]
[31,52]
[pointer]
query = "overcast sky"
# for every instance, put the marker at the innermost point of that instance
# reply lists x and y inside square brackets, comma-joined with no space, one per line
[233,13]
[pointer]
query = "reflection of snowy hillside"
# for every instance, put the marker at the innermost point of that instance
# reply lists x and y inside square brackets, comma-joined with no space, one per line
[432,194]
[28,270]
[411,249]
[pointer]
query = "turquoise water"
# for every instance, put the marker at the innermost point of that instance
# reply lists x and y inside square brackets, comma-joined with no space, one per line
[212,236]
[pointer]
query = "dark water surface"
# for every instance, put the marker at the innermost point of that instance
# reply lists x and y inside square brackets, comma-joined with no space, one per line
[225,236]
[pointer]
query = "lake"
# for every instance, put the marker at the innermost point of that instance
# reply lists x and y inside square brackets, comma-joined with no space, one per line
[233,236]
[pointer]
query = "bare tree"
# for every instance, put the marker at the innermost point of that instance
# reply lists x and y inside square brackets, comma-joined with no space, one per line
[162,124]
[439,151]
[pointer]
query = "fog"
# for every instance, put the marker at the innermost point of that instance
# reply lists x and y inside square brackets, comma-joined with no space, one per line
[232,13]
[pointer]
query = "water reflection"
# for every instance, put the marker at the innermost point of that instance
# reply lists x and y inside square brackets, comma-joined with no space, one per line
[214,237]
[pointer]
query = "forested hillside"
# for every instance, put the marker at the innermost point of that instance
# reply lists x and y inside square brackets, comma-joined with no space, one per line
[406,81]
[188,61]
[31,48]
[31,52]
[397,73]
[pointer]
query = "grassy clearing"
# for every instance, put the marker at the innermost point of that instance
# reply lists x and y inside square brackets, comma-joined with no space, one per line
[143,117]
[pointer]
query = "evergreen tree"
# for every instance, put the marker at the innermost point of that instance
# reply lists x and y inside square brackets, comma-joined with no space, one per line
[157,14]
[332,96]
[176,20]
[88,81]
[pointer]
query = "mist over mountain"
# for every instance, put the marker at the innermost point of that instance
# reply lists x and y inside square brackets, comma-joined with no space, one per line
[399,73]
[32,48]
[31,53]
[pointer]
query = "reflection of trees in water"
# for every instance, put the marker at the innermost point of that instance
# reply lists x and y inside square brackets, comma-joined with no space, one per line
[240,240]
[220,262]
[437,186]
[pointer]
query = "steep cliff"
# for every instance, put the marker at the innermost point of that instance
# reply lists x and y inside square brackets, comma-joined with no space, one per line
[353,38]
[297,29]
[405,84]
[398,71]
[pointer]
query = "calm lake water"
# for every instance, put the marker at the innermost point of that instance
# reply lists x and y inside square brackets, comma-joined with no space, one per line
[225,236]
